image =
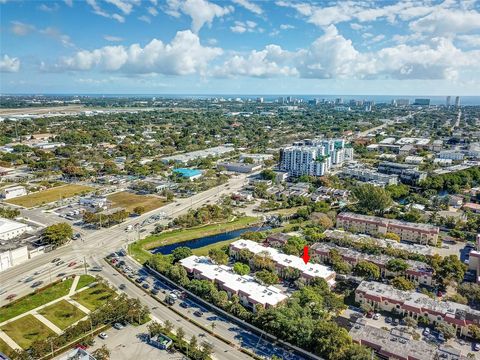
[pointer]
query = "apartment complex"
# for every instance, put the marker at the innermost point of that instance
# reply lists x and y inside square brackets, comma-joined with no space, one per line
[396,344]
[283,262]
[407,303]
[314,157]
[373,225]
[417,271]
[370,176]
[249,291]
[408,174]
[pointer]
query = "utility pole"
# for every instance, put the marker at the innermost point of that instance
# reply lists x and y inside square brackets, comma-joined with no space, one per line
[85,265]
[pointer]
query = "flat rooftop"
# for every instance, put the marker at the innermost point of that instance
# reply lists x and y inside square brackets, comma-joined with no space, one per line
[266,295]
[199,154]
[310,270]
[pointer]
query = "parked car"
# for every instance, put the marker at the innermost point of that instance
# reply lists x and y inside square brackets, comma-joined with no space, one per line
[118,326]
[184,304]
[388,320]
[395,322]
[11,296]
[30,278]
[426,331]
[146,286]
[55,260]
[73,263]
[62,274]
[441,337]
[198,313]
[476,347]
[60,263]
[103,335]
[122,287]
[155,291]
[376,316]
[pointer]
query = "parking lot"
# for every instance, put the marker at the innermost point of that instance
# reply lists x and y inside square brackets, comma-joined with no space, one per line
[131,343]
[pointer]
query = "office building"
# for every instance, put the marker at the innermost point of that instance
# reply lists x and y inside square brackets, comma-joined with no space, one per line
[422,102]
[385,297]
[239,167]
[314,157]
[249,291]
[13,192]
[452,155]
[457,101]
[447,102]
[284,262]
[190,174]
[373,225]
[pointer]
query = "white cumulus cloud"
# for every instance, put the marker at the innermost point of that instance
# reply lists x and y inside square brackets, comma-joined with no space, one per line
[250,6]
[9,64]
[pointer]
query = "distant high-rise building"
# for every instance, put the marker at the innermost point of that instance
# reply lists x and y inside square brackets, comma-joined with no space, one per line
[422,102]
[457,101]
[313,102]
[260,99]
[402,102]
[338,101]
[448,101]
[368,105]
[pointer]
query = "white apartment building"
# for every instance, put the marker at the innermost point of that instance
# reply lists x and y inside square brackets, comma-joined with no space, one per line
[246,287]
[10,229]
[314,157]
[283,261]
[13,192]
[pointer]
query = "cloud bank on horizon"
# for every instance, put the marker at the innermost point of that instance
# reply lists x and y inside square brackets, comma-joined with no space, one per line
[241,46]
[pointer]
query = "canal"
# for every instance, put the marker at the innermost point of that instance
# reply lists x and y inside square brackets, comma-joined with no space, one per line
[207,240]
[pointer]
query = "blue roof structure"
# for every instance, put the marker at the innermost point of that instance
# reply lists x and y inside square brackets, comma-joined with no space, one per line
[187,173]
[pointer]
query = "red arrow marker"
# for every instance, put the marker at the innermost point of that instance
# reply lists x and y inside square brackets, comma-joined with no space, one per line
[305,255]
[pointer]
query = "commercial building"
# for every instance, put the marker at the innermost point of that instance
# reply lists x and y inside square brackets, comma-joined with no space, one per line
[395,344]
[417,271]
[200,154]
[370,176]
[93,201]
[408,174]
[239,167]
[451,155]
[414,160]
[474,260]
[13,192]
[190,174]
[257,158]
[77,354]
[10,229]
[372,225]
[417,305]
[283,262]
[249,291]
[314,157]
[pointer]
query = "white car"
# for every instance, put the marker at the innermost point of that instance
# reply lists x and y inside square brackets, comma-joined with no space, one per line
[426,331]
[376,316]
[476,347]
[103,335]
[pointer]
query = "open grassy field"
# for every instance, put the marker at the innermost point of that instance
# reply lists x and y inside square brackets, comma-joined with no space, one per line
[50,195]
[84,281]
[26,330]
[94,297]
[4,348]
[139,249]
[35,300]
[129,201]
[62,313]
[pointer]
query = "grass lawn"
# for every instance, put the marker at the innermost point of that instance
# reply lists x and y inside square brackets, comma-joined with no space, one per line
[85,280]
[94,297]
[129,201]
[50,195]
[139,249]
[26,330]
[4,348]
[35,300]
[63,314]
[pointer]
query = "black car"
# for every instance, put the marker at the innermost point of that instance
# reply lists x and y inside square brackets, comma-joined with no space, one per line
[146,286]
[184,304]
[37,283]
[139,280]
[122,286]
[55,260]
[155,291]
[198,313]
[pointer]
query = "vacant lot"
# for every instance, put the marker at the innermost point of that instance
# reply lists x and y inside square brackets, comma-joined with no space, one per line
[94,297]
[129,201]
[62,313]
[50,195]
[26,330]
[35,300]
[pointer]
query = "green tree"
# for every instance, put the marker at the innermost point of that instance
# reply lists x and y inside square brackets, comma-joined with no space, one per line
[371,198]
[447,330]
[367,269]
[241,269]
[139,210]
[181,252]
[102,353]
[57,234]
[402,283]
[267,277]
[396,265]
[450,269]
[218,256]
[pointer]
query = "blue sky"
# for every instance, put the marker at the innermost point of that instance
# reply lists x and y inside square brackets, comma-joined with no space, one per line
[240,47]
